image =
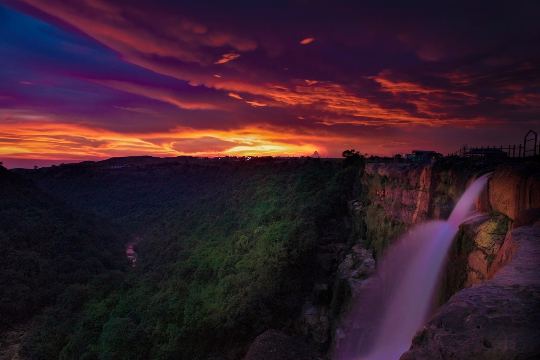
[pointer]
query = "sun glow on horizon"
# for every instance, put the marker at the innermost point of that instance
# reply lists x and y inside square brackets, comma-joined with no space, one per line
[65,141]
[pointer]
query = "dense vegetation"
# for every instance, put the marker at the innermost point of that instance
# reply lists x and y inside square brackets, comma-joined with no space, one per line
[47,250]
[226,251]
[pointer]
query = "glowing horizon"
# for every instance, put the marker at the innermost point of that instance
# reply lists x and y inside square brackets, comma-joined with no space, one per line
[98,79]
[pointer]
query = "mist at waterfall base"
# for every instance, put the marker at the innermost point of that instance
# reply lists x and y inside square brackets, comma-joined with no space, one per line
[394,304]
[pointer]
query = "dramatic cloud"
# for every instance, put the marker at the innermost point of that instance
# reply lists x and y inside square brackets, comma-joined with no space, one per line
[44,139]
[98,78]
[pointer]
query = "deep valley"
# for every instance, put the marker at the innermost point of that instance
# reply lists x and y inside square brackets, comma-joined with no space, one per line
[255,259]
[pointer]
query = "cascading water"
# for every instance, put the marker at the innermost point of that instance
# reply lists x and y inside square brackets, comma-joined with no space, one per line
[395,303]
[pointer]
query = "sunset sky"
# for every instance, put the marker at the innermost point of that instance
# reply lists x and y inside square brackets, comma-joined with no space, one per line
[92,79]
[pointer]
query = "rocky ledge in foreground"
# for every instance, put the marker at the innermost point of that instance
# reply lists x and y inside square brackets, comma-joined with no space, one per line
[498,319]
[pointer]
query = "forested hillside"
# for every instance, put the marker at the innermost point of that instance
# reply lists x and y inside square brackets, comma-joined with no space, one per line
[226,251]
[50,254]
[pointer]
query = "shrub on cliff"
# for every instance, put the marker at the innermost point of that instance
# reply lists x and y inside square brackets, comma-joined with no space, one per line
[353,158]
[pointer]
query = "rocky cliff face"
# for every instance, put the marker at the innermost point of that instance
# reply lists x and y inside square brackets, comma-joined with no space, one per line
[515,190]
[475,321]
[397,196]
[496,316]
[485,237]
[497,319]
[401,190]
[410,193]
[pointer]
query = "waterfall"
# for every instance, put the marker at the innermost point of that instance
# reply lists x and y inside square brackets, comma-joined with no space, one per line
[397,300]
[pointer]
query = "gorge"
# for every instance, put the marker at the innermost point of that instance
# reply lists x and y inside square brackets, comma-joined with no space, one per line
[263,259]
[269,180]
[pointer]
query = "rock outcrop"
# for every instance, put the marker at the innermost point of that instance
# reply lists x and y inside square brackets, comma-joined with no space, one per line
[354,275]
[395,196]
[485,237]
[357,266]
[402,190]
[515,189]
[497,319]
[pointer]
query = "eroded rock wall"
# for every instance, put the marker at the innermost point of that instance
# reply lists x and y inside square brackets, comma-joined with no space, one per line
[411,193]
[401,190]
[497,319]
[514,190]
[397,196]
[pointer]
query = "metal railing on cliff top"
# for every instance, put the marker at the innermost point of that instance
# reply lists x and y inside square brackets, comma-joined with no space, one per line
[529,147]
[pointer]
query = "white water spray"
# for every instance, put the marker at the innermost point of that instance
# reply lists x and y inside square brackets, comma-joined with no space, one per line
[396,303]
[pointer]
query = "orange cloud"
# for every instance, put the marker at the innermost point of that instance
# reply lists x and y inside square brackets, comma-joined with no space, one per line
[181,39]
[324,96]
[399,87]
[307,41]
[384,79]
[235,96]
[41,138]
[256,103]
[435,104]
[225,58]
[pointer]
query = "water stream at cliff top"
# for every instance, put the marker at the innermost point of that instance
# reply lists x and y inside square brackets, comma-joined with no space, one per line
[395,303]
